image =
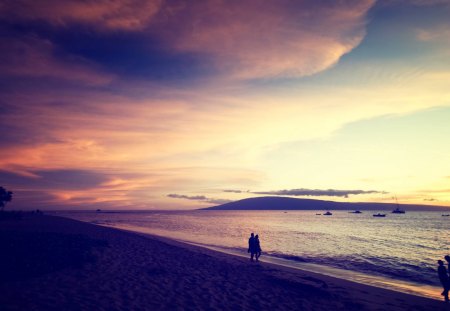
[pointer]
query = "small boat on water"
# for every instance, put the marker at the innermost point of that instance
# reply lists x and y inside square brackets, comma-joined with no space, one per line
[397,210]
[356,212]
[328,213]
[321,214]
[379,215]
[445,215]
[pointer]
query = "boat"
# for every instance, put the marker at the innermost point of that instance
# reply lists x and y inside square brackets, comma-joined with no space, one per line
[328,213]
[379,215]
[445,215]
[356,212]
[321,214]
[397,210]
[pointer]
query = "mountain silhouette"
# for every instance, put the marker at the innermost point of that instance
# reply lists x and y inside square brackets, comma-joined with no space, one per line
[283,203]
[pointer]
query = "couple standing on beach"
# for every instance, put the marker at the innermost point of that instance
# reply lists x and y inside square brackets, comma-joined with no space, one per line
[444,277]
[254,247]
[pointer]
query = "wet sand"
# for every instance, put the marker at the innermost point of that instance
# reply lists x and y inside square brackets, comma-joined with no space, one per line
[53,263]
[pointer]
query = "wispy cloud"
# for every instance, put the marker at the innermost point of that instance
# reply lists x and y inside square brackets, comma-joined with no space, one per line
[439,33]
[101,14]
[32,56]
[420,2]
[317,192]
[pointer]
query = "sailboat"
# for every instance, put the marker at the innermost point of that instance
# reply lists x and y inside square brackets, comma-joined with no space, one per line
[397,210]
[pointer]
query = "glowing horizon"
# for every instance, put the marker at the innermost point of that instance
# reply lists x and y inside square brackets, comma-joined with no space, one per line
[132,104]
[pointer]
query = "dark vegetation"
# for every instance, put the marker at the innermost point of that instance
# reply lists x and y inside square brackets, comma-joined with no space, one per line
[5,197]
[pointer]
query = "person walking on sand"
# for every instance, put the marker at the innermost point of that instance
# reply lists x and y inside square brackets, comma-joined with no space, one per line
[257,248]
[443,277]
[251,246]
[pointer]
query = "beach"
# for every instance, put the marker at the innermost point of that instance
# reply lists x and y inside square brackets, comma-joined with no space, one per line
[55,263]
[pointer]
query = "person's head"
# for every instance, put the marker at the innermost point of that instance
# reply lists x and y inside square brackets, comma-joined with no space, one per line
[257,236]
[252,235]
[440,262]
[447,258]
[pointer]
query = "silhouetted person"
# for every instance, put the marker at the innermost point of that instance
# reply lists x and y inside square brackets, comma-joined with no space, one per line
[251,246]
[257,248]
[443,277]
[447,258]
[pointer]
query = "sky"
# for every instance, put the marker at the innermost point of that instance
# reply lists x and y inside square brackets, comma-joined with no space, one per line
[176,104]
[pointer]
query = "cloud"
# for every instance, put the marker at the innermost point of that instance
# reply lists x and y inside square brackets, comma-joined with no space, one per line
[266,39]
[317,192]
[55,179]
[187,197]
[71,188]
[439,33]
[200,198]
[421,2]
[430,199]
[235,191]
[437,191]
[34,57]
[101,14]
[250,39]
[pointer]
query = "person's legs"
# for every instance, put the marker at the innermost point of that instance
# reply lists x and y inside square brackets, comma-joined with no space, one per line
[446,287]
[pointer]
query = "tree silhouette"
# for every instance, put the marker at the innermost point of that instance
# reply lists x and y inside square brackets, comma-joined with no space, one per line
[5,197]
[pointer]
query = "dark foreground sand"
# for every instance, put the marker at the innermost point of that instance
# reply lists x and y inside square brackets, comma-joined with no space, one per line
[52,263]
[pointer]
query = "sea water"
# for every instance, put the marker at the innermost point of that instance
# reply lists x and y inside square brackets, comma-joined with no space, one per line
[397,252]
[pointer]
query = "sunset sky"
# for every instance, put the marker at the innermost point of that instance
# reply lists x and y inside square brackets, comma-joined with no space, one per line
[134,104]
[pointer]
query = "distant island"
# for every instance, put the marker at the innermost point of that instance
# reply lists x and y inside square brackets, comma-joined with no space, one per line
[283,203]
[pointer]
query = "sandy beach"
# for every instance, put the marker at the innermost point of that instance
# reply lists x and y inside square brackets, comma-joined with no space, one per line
[53,263]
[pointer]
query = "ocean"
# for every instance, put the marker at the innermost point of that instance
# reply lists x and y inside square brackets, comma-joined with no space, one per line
[398,252]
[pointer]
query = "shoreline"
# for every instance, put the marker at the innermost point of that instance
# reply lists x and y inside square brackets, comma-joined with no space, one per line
[126,270]
[416,289]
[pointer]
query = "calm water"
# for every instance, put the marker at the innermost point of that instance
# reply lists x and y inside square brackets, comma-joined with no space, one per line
[399,251]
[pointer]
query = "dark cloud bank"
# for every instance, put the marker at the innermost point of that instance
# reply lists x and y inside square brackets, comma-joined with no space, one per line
[200,198]
[318,192]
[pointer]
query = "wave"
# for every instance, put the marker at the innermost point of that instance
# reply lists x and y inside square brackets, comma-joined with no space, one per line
[387,267]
